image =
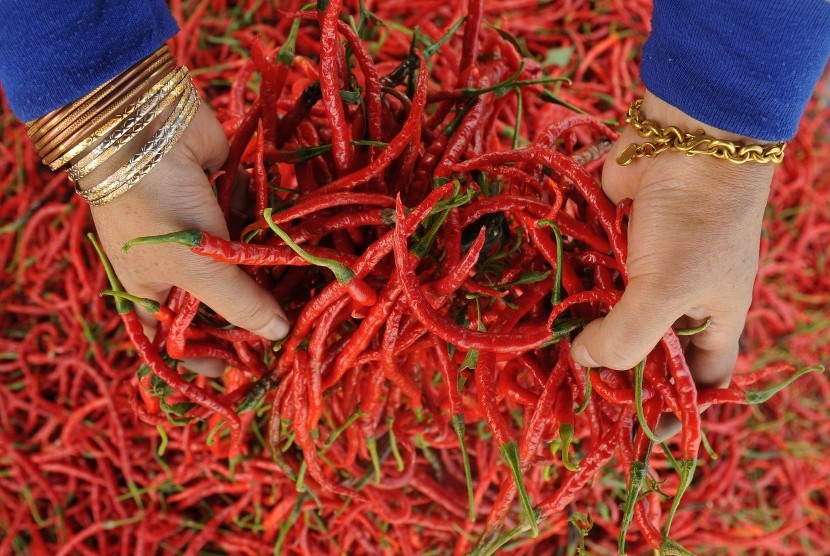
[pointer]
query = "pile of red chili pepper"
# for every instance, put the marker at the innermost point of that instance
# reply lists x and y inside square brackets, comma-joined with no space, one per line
[421,197]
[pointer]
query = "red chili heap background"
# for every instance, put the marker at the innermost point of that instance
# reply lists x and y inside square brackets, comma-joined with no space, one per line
[436,162]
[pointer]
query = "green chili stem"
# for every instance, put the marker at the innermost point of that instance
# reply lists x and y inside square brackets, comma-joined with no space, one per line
[190,238]
[429,51]
[343,273]
[285,55]
[163,442]
[566,435]
[120,305]
[211,437]
[459,426]
[639,370]
[673,548]
[299,486]
[510,453]
[687,471]
[372,446]
[288,523]
[556,293]
[695,329]
[518,127]
[339,430]
[706,446]
[393,445]
[584,405]
[637,477]
[761,396]
[150,305]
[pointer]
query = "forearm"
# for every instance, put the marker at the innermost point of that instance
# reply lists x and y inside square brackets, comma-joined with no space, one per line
[52,53]
[745,67]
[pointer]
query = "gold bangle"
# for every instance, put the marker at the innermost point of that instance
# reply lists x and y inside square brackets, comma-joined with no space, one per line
[167,82]
[45,129]
[673,139]
[138,120]
[149,155]
[75,133]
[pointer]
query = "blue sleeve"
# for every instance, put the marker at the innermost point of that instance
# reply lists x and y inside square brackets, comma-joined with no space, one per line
[747,67]
[55,51]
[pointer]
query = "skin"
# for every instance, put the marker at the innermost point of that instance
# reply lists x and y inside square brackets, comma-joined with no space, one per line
[176,195]
[693,239]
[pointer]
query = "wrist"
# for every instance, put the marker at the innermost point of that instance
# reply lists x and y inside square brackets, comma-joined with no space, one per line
[665,114]
[123,155]
[656,139]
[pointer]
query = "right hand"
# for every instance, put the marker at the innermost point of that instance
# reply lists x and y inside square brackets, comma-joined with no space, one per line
[693,241]
[176,195]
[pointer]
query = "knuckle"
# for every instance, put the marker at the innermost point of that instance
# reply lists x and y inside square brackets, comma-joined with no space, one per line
[613,355]
[248,313]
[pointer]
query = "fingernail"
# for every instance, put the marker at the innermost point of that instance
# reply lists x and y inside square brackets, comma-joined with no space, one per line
[275,330]
[580,355]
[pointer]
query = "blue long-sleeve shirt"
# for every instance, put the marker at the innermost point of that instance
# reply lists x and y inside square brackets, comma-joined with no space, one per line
[53,51]
[747,67]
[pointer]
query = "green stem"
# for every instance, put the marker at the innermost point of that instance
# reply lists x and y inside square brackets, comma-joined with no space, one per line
[342,272]
[257,392]
[561,328]
[286,525]
[566,435]
[510,453]
[393,445]
[285,55]
[148,304]
[459,426]
[342,428]
[671,547]
[687,471]
[428,52]
[761,396]
[190,238]
[584,405]
[556,293]
[299,486]
[706,446]
[637,477]
[639,370]
[120,305]
[163,441]
[670,457]
[211,437]
[372,446]
[695,329]
[116,523]
[518,126]
[424,243]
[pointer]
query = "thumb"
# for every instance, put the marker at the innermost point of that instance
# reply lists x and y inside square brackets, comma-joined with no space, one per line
[226,289]
[206,140]
[630,331]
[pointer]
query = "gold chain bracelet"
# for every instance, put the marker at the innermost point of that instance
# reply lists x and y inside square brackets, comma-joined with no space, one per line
[672,138]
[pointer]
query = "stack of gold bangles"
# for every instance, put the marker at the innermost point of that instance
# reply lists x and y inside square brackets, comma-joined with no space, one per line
[87,132]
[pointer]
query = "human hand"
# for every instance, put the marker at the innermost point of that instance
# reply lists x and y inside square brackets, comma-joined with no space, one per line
[176,195]
[693,239]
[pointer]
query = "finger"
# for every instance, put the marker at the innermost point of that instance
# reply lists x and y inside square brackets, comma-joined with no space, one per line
[712,353]
[616,180]
[233,294]
[202,365]
[206,140]
[630,330]
[207,366]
